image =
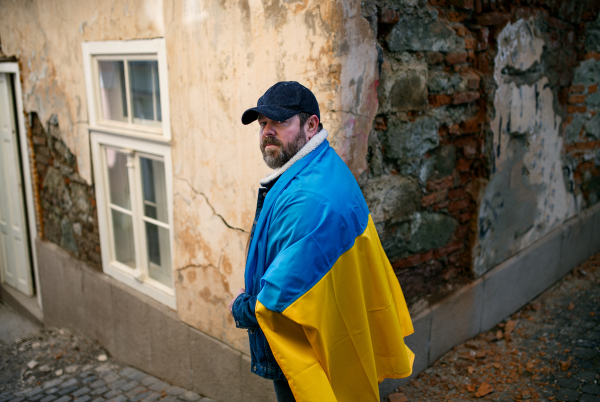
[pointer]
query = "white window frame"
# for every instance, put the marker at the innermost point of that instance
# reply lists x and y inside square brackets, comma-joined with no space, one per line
[151,140]
[147,49]
[136,278]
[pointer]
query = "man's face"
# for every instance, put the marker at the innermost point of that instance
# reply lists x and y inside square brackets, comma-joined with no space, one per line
[280,140]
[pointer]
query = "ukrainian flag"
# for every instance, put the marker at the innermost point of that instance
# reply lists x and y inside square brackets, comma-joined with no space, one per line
[329,302]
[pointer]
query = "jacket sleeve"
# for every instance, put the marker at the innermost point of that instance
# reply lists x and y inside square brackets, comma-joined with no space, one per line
[243,310]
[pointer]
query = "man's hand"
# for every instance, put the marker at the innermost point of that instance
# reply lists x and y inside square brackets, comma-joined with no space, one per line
[240,291]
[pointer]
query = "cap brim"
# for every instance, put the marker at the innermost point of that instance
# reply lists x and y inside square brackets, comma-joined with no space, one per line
[272,112]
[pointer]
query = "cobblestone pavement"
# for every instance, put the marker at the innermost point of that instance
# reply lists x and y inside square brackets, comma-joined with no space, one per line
[57,366]
[548,351]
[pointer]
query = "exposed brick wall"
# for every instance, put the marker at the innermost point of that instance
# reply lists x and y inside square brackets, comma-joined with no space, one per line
[452,44]
[67,202]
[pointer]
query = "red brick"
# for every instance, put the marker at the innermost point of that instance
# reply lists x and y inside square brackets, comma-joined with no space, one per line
[457,193]
[478,7]
[436,185]
[482,36]
[592,89]
[438,3]
[441,205]
[592,55]
[465,97]
[434,198]
[454,129]
[427,256]
[439,100]
[482,63]
[556,23]
[465,217]
[440,252]
[466,4]
[465,177]
[456,57]
[389,16]
[461,30]
[576,109]
[493,18]
[471,43]
[459,205]
[462,232]
[470,126]
[576,99]
[407,262]
[434,57]
[468,144]
[464,165]
[569,119]
[380,123]
[454,246]
[454,16]
[472,79]
[452,259]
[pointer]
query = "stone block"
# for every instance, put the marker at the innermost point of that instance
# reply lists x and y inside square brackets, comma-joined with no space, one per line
[409,91]
[255,388]
[416,34]
[98,308]
[169,347]
[216,368]
[51,282]
[595,217]
[518,280]
[576,244]
[131,326]
[419,343]
[456,319]
[74,310]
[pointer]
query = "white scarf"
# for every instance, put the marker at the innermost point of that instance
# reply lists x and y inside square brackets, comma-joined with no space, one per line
[310,146]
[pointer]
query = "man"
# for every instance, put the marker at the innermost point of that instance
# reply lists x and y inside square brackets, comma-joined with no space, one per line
[324,311]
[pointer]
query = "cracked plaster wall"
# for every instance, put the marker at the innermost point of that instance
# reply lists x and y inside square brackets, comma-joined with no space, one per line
[526,196]
[222,55]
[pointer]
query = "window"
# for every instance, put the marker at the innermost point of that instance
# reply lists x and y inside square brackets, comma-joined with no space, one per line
[131,155]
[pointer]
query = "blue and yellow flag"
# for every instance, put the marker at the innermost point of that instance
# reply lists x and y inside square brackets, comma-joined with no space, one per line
[329,302]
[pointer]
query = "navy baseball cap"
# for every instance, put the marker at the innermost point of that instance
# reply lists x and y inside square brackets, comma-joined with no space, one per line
[282,101]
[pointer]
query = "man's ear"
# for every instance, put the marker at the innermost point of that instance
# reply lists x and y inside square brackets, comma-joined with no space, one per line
[312,126]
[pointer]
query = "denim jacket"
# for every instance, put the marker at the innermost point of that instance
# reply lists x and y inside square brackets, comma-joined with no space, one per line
[263,362]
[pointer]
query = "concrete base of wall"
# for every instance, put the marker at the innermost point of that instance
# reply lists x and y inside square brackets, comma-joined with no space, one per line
[24,305]
[501,292]
[141,332]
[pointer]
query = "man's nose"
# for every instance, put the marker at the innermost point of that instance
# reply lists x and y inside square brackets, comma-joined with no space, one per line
[269,129]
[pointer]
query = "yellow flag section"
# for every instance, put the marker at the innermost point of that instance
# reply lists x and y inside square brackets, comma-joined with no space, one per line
[343,336]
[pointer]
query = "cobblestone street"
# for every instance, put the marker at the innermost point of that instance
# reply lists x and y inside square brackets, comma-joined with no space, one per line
[548,351]
[54,365]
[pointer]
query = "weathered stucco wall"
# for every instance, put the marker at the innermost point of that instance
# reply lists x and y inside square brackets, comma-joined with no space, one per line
[222,55]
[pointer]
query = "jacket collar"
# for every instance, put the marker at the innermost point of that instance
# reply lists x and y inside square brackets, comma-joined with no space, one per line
[310,146]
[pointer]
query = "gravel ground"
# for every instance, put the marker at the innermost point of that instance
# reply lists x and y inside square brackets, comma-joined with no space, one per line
[548,351]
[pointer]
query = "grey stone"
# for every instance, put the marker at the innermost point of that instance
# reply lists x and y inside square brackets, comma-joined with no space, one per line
[89,379]
[456,319]
[588,376]
[589,398]
[100,391]
[149,380]
[159,386]
[409,140]
[19,399]
[117,384]
[576,244]
[141,396]
[512,284]
[392,197]
[49,398]
[569,383]
[98,308]
[593,100]
[81,391]
[223,380]
[136,391]
[99,400]
[85,398]
[592,127]
[442,82]
[587,72]
[71,369]
[567,395]
[591,389]
[68,390]
[175,391]
[98,383]
[208,400]
[151,398]
[584,353]
[574,129]
[111,377]
[417,34]
[169,340]
[430,231]
[131,326]
[34,391]
[69,383]
[63,399]
[445,160]
[190,396]
[67,240]
[130,385]
[409,91]
[254,388]
[112,394]
[37,397]
[119,398]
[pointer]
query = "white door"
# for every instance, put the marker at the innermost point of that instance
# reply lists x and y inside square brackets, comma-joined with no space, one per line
[15,264]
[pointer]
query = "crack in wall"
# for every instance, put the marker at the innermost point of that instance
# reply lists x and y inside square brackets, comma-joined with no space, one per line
[209,204]
[195,266]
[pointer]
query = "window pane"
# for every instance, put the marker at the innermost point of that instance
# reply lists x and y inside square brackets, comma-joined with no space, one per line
[123,236]
[154,189]
[118,181]
[145,92]
[159,254]
[112,90]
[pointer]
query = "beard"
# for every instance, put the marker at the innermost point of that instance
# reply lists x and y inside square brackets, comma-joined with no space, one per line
[277,157]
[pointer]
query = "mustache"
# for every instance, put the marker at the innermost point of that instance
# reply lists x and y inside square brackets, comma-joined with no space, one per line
[270,141]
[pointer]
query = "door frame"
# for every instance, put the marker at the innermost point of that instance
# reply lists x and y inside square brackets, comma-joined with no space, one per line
[13,68]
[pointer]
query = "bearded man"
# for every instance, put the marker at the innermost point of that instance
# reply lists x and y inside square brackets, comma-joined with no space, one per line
[325,314]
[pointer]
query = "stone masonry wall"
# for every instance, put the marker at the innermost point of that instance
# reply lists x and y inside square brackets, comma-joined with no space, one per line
[432,148]
[68,204]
